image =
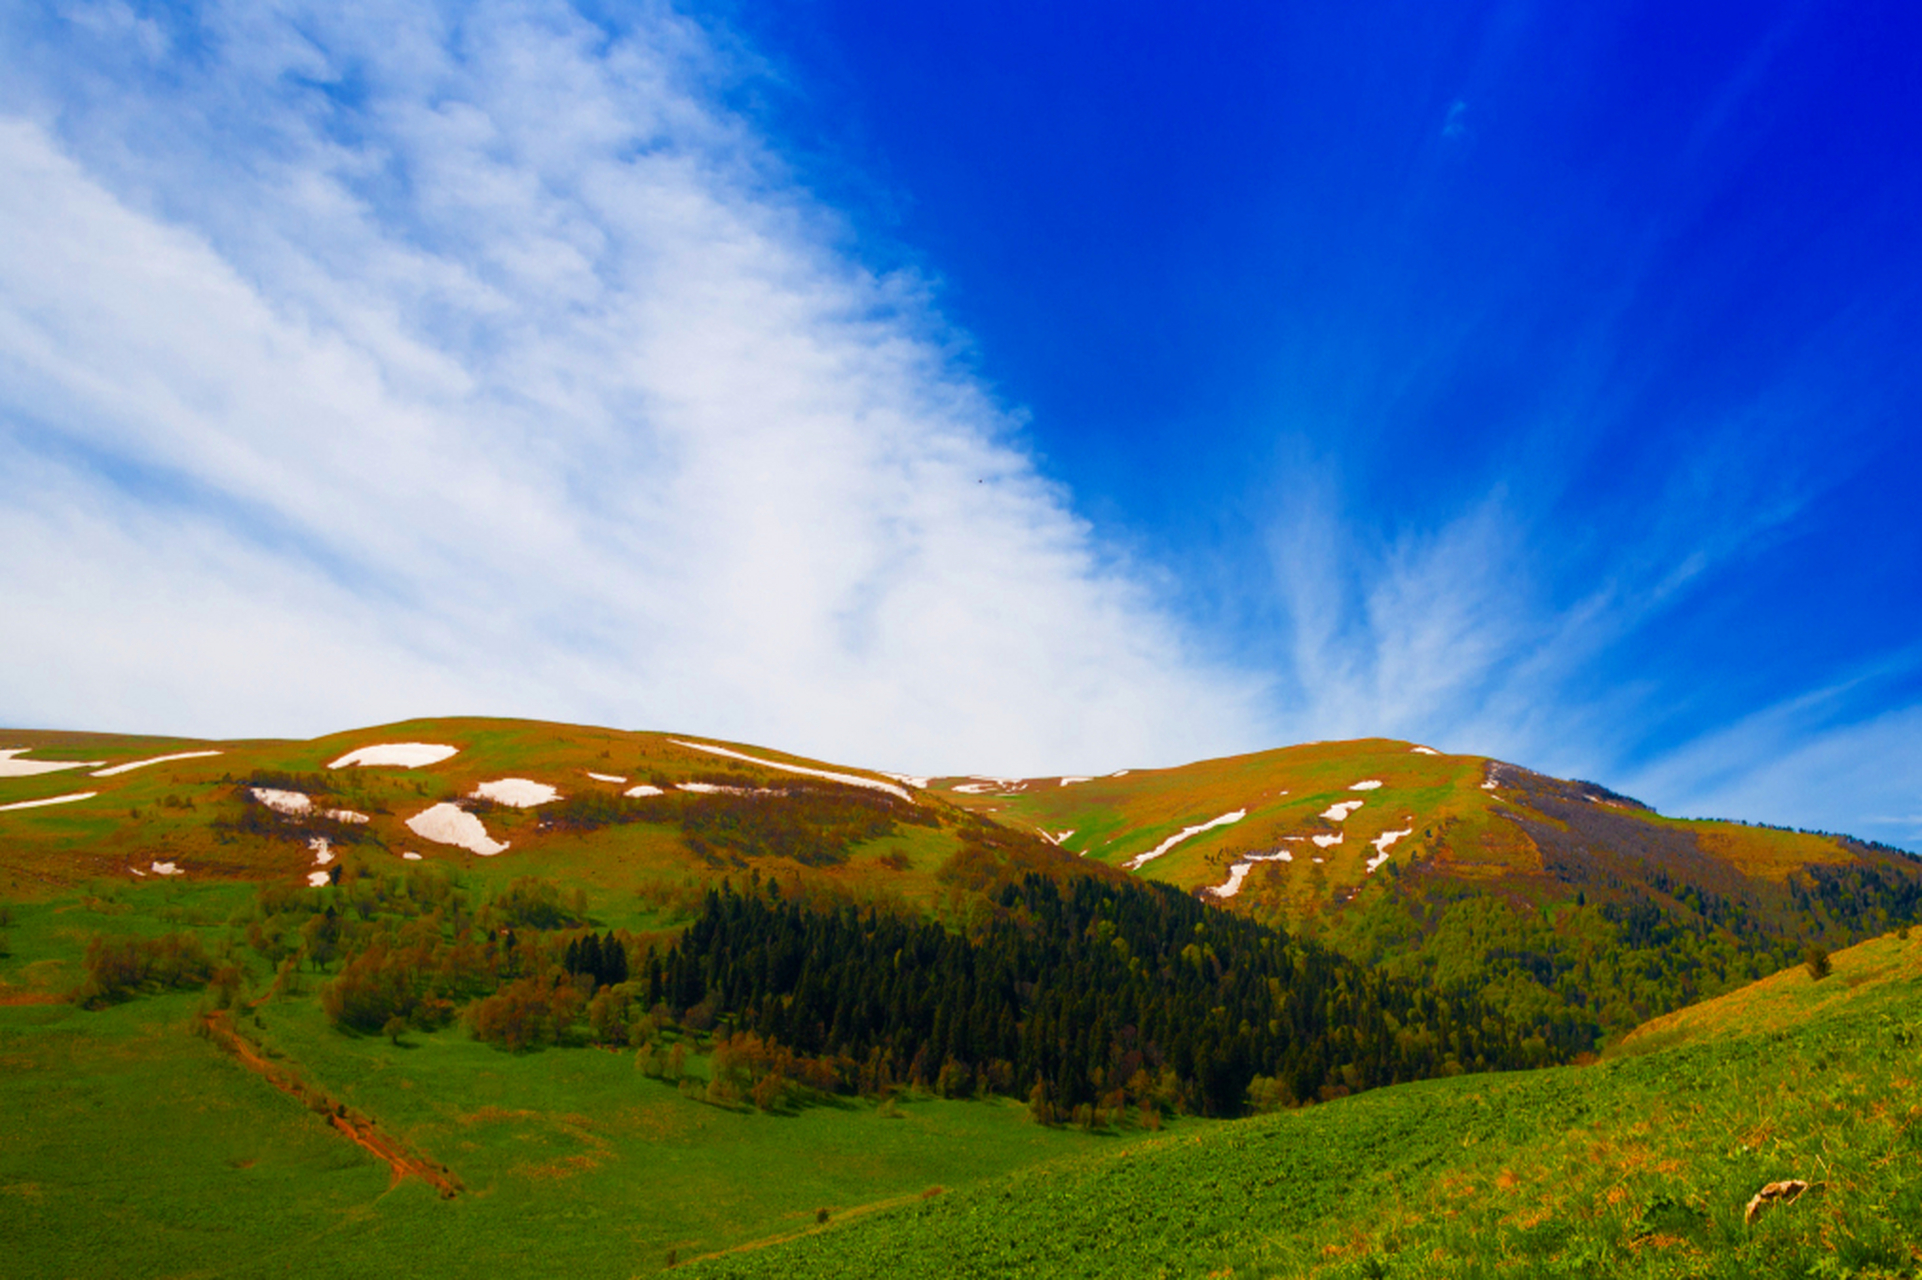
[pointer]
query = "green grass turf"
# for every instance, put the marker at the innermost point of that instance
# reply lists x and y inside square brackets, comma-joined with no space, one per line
[131,1147]
[1639,1166]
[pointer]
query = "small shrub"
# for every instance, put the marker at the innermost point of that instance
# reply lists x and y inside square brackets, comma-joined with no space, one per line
[1816,961]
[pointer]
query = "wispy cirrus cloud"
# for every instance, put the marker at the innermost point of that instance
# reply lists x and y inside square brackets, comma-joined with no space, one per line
[376,362]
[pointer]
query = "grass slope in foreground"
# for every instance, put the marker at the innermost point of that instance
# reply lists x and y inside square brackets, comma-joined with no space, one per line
[1641,1165]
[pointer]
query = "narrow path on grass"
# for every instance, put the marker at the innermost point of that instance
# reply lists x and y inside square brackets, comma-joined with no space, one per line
[359,1129]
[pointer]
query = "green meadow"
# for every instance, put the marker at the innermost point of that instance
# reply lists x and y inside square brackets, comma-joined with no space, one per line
[1641,1165]
[131,1146]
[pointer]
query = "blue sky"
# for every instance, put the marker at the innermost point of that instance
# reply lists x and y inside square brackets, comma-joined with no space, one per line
[1016,388]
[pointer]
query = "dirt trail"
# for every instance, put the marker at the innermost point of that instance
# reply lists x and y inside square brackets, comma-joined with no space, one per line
[357,1128]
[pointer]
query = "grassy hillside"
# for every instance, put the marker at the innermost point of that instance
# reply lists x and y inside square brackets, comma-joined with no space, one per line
[1642,1165]
[253,1022]
[1557,898]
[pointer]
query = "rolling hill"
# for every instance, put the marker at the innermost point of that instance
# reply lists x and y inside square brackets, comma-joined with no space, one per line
[528,976]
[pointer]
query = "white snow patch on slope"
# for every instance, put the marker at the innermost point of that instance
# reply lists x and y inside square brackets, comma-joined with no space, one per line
[167,869]
[11,768]
[607,777]
[411,856]
[282,801]
[1119,773]
[644,790]
[849,778]
[1367,784]
[1339,812]
[35,804]
[446,823]
[1056,837]
[1424,751]
[1239,871]
[141,764]
[404,755]
[1225,819]
[1489,785]
[977,788]
[1381,843]
[706,789]
[318,879]
[323,850]
[1071,781]
[1327,842]
[916,781]
[519,793]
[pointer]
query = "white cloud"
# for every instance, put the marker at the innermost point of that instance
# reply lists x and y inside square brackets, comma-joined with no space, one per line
[376,365]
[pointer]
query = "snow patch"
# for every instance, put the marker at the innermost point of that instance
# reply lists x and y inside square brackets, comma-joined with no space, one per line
[446,823]
[1071,781]
[11,768]
[131,765]
[519,793]
[916,781]
[1056,837]
[977,788]
[289,802]
[706,789]
[1424,751]
[1119,773]
[1327,842]
[167,869]
[1381,843]
[1489,785]
[319,879]
[852,780]
[1367,784]
[643,790]
[344,815]
[1340,812]
[606,777]
[35,804]
[323,851]
[402,755]
[1225,819]
[411,857]
[1239,871]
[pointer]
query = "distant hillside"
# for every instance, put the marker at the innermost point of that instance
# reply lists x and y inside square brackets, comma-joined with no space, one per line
[1556,899]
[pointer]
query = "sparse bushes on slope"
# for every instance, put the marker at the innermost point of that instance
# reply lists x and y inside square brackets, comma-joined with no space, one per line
[121,968]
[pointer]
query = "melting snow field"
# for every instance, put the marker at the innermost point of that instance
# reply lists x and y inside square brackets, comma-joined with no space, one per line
[916,781]
[1489,785]
[1339,812]
[1368,784]
[411,857]
[1140,860]
[450,824]
[1066,782]
[35,804]
[318,879]
[1424,751]
[849,778]
[167,869]
[131,765]
[294,803]
[282,801]
[323,850]
[519,793]
[1381,843]
[607,777]
[643,790]
[403,755]
[1327,842]
[1239,871]
[11,768]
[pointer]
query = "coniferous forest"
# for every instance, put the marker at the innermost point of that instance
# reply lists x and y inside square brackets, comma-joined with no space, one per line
[1087,993]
